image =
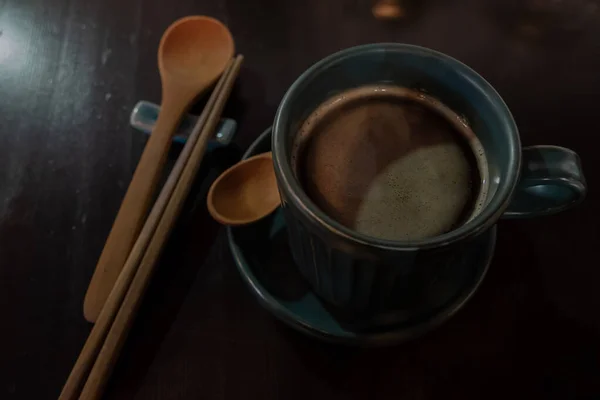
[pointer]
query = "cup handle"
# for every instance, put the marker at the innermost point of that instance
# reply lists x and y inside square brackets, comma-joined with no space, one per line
[551,181]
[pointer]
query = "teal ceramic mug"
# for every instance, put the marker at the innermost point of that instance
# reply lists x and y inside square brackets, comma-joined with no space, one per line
[377,281]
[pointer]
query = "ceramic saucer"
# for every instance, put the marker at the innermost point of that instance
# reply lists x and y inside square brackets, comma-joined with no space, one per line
[265,263]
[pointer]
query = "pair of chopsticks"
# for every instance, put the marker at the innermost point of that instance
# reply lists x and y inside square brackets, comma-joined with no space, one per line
[101,350]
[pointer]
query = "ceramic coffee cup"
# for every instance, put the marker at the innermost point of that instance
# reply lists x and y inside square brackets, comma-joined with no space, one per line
[377,281]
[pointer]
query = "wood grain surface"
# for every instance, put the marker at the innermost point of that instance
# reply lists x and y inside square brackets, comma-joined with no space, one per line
[70,73]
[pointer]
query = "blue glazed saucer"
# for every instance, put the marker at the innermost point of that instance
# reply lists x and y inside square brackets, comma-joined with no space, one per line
[265,263]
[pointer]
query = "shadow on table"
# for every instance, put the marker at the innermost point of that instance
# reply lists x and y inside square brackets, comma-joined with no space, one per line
[174,275]
[509,335]
[271,260]
[184,254]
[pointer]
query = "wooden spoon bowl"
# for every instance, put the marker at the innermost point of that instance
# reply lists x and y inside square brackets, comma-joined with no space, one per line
[194,51]
[245,192]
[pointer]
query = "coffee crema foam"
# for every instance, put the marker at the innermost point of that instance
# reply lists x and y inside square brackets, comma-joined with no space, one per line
[391,163]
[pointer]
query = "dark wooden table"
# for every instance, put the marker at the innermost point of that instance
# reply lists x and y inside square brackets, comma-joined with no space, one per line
[70,72]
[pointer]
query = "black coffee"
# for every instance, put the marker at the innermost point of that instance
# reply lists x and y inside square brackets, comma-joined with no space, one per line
[391,163]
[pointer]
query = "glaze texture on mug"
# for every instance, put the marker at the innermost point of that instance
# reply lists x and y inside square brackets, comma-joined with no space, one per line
[378,287]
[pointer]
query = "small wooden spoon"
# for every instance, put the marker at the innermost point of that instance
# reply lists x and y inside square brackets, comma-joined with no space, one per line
[193,53]
[245,192]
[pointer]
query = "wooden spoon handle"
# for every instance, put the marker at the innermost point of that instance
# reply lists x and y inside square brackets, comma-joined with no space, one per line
[115,339]
[134,208]
[102,346]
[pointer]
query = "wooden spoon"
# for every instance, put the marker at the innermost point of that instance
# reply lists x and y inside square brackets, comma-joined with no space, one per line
[245,192]
[193,53]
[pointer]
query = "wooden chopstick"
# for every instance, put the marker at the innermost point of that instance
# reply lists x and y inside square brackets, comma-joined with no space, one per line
[101,349]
